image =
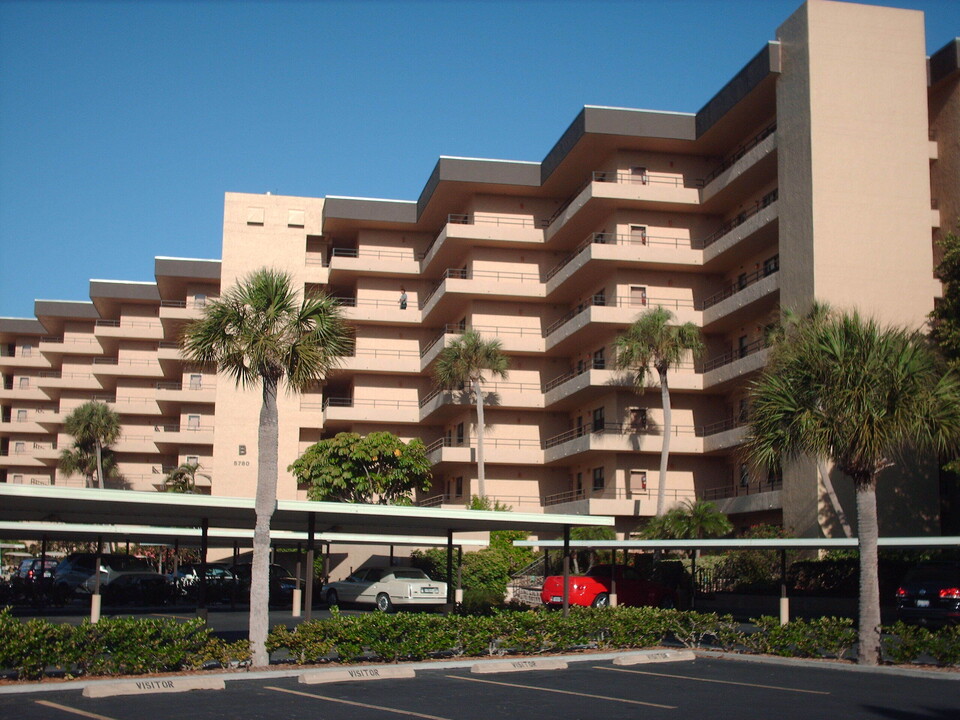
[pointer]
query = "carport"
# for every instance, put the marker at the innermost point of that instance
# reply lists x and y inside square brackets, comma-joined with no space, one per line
[176,514]
[781,544]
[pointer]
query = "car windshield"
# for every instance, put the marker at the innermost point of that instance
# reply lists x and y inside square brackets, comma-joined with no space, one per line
[934,573]
[126,563]
[599,571]
[411,574]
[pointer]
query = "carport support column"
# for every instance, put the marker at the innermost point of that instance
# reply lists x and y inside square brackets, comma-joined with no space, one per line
[308,590]
[297,605]
[784,600]
[566,570]
[202,594]
[95,597]
[450,588]
[43,569]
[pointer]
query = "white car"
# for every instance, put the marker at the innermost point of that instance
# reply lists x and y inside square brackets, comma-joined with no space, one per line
[386,588]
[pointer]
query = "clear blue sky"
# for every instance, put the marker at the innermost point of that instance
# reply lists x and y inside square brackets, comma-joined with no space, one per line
[123,123]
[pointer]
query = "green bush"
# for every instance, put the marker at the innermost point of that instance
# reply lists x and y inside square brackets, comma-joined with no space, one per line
[132,646]
[694,629]
[31,648]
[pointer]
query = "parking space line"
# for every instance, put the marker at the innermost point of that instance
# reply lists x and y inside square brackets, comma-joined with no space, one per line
[408,713]
[75,711]
[565,692]
[708,680]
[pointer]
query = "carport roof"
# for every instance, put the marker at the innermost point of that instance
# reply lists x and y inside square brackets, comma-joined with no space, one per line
[95,506]
[190,536]
[747,543]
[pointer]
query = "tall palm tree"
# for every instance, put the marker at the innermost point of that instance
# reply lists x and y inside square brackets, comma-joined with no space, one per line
[259,332]
[464,362]
[653,342]
[94,427]
[82,460]
[183,479]
[842,388]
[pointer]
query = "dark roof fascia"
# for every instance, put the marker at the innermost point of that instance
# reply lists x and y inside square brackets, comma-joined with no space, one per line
[764,63]
[69,309]
[944,62]
[22,326]
[478,170]
[349,208]
[186,268]
[118,290]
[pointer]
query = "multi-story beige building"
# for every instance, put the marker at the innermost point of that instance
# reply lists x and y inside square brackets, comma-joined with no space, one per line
[824,169]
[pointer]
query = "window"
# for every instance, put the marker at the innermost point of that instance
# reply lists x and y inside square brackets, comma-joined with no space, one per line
[448,438]
[199,300]
[638,419]
[598,421]
[21,415]
[19,448]
[741,281]
[193,422]
[459,486]
[26,350]
[744,475]
[196,382]
[743,411]
[600,298]
[638,481]
[599,362]
[579,425]
[638,296]
[459,434]
[598,481]
[742,346]
[639,174]
[579,483]
[24,383]
[193,460]
[638,234]
[18,479]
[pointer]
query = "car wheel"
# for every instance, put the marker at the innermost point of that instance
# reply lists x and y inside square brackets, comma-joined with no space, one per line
[383,603]
[601,601]
[667,603]
[332,599]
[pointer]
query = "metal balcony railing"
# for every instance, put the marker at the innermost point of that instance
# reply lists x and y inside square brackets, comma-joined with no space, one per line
[740,152]
[734,355]
[740,489]
[647,178]
[742,283]
[375,254]
[761,204]
[612,301]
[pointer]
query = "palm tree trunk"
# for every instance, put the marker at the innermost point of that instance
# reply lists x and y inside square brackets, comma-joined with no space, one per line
[868,648]
[665,448]
[267,453]
[481,483]
[99,464]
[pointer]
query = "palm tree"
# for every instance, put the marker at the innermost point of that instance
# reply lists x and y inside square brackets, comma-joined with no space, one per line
[183,479]
[841,388]
[259,332]
[463,362]
[94,427]
[653,341]
[82,460]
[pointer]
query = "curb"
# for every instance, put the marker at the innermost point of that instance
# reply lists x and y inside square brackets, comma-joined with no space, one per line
[918,672]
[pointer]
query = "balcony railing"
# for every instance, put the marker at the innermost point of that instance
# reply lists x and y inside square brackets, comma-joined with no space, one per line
[487,388]
[648,178]
[734,355]
[487,443]
[377,254]
[743,282]
[497,331]
[587,367]
[352,402]
[740,489]
[608,494]
[616,429]
[741,218]
[740,152]
[613,301]
[499,220]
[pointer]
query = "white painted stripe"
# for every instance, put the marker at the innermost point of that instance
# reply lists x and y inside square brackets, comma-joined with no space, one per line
[565,692]
[719,682]
[408,713]
[74,711]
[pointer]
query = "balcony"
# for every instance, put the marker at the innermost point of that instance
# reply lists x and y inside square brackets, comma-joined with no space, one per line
[735,364]
[12,361]
[517,503]
[731,303]
[503,451]
[480,230]
[340,411]
[70,345]
[724,238]
[138,368]
[132,405]
[378,311]
[176,435]
[175,392]
[746,497]
[465,282]
[496,395]
[512,339]
[133,329]
[372,261]
[30,454]
[753,161]
[723,435]
[136,440]
[22,426]
[381,360]
[611,501]
[616,437]
[571,387]
[181,310]
[622,249]
[33,392]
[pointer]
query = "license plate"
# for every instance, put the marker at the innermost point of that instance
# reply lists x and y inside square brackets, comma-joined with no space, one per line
[923,603]
[556,598]
[430,590]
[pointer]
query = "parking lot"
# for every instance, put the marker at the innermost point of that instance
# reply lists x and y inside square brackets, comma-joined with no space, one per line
[706,687]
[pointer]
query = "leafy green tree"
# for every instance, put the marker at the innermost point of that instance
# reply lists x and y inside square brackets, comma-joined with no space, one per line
[653,342]
[260,333]
[183,479]
[378,467]
[945,318]
[692,519]
[94,427]
[843,388]
[464,362]
[590,557]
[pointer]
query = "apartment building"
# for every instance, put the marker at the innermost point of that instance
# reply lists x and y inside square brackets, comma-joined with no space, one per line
[826,168]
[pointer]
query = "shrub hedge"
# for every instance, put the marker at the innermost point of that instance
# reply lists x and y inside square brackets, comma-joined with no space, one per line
[131,646]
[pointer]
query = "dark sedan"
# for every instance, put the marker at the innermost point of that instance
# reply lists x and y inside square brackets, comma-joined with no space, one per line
[930,594]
